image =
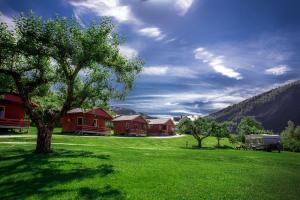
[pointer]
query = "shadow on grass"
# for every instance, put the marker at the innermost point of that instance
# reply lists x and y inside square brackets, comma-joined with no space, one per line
[25,174]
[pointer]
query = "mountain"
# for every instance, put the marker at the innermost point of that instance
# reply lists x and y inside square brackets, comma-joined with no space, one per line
[273,108]
[127,111]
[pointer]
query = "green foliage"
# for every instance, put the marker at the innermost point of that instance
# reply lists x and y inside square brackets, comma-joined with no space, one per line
[221,130]
[61,65]
[199,128]
[248,125]
[291,137]
[234,139]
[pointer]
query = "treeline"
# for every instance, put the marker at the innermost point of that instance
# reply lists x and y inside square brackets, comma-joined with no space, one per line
[202,128]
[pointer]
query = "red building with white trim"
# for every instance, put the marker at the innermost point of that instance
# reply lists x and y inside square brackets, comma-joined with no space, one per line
[130,125]
[12,113]
[161,127]
[79,121]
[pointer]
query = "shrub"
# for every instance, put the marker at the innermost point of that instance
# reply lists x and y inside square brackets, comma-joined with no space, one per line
[290,137]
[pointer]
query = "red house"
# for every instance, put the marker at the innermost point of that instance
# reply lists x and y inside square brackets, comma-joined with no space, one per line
[78,121]
[130,125]
[12,113]
[161,127]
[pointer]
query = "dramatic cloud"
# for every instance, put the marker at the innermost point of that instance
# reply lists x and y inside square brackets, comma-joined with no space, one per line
[152,32]
[127,51]
[168,70]
[217,63]
[278,70]
[111,8]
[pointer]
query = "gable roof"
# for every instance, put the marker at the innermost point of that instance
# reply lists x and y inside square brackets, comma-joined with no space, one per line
[100,112]
[127,117]
[159,121]
[96,111]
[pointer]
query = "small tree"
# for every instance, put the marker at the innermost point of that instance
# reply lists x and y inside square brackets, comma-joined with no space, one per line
[291,137]
[221,130]
[59,65]
[200,128]
[249,125]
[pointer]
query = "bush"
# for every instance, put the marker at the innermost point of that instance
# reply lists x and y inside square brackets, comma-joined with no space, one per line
[290,137]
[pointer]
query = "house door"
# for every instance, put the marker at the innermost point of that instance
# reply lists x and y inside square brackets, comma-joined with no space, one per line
[2,112]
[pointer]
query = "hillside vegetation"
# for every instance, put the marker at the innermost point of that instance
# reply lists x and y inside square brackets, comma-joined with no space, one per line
[273,108]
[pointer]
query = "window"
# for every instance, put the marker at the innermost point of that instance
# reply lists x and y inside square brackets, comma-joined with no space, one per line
[95,123]
[79,121]
[164,127]
[127,125]
[2,112]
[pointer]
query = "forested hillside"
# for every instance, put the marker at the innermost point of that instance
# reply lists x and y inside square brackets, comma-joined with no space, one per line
[273,108]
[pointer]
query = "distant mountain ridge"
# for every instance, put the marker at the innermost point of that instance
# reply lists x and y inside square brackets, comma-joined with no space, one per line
[273,108]
[127,111]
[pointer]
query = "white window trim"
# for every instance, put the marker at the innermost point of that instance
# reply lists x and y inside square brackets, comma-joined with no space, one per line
[96,124]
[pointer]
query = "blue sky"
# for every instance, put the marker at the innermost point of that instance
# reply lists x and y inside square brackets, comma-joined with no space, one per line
[200,55]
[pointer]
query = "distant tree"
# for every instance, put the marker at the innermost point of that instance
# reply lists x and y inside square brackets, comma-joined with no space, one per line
[221,130]
[60,65]
[200,128]
[249,125]
[290,137]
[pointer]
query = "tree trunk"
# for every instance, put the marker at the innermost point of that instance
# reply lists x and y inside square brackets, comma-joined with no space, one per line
[200,143]
[218,142]
[43,143]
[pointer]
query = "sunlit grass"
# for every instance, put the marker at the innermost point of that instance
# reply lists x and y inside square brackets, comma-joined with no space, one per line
[143,168]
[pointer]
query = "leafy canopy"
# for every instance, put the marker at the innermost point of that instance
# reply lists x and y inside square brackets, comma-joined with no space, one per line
[199,128]
[60,65]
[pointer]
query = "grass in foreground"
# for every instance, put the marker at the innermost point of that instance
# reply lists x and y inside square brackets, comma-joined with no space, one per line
[143,168]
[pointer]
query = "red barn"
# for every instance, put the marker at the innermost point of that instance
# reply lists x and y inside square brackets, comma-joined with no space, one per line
[161,127]
[12,113]
[130,125]
[78,121]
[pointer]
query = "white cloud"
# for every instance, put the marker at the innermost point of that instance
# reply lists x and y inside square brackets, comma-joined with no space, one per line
[128,51]
[278,70]
[169,70]
[183,6]
[8,20]
[152,32]
[217,63]
[155,71]
[111,8]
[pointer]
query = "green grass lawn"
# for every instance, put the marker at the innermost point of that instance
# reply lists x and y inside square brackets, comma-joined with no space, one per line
[143,168]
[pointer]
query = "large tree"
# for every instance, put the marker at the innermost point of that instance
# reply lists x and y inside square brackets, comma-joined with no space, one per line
[200,128]
[61,65]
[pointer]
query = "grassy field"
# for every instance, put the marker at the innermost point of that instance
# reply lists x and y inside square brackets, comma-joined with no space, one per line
[143,168]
